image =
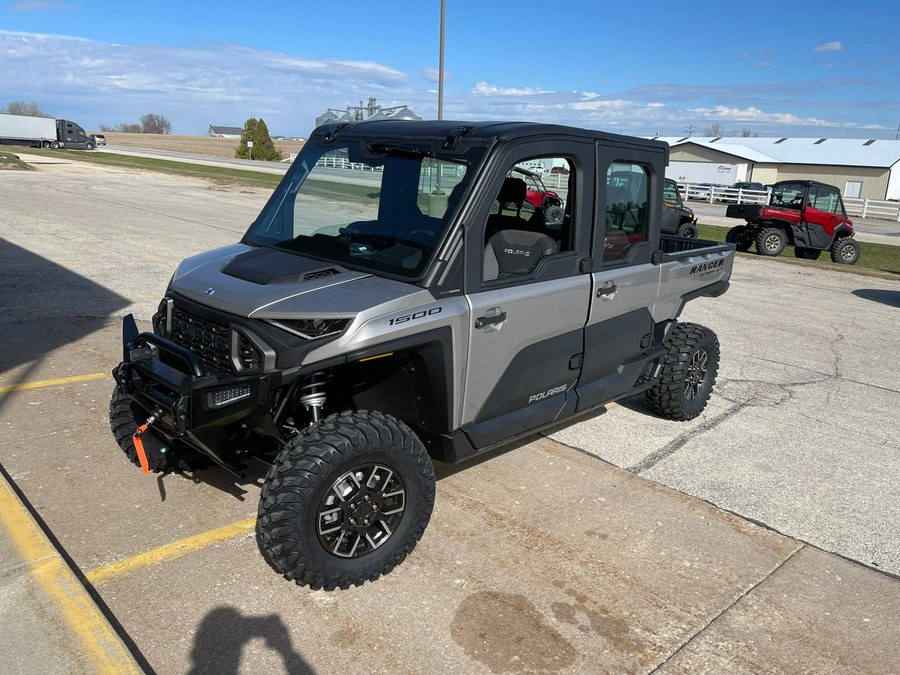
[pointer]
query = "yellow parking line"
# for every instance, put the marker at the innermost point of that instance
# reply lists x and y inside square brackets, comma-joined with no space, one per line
[53,383]
[97,639]
[171,551]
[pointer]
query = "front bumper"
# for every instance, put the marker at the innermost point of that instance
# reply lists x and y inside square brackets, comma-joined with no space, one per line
[186,397]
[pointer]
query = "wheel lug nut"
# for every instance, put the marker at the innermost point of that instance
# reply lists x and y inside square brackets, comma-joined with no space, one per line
[353,521]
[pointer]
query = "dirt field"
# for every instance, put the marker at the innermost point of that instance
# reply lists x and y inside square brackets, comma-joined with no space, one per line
[200,145]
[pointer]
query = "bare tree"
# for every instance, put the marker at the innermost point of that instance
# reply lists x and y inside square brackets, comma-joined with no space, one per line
[714,129]
[31,109]
[155,124]
[748,133]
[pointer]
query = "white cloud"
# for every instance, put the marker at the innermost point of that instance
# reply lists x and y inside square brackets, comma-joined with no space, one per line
[829,47]
[483,88]
[751,114]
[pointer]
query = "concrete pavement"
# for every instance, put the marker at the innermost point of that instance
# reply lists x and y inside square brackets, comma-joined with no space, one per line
[545,558]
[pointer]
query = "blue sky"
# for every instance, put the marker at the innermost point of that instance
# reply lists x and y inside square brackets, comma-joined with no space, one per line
[803,68]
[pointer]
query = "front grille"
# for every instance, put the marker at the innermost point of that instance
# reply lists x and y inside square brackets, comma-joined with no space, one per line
[207,340]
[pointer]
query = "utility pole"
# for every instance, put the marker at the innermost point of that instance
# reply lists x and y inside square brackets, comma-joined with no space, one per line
[440,115]
[689,130]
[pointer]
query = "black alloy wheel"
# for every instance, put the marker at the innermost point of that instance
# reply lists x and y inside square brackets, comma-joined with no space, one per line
[345,501]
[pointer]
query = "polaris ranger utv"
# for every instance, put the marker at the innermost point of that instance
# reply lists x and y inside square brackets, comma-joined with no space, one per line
[805,213]
[388,308]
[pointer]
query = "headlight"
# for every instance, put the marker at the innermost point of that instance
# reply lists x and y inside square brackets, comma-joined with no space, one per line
[312,329]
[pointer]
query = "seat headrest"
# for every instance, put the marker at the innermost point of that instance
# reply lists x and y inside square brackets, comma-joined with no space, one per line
[513,190]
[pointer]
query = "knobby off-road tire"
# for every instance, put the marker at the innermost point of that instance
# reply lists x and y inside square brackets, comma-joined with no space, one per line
[739,237]
[687,230]
[770,241]
[688,372]
[346,501]
[845,251]
[124,418]
[807,253]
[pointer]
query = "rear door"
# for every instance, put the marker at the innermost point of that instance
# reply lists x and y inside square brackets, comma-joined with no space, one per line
[526,333]
[625,282]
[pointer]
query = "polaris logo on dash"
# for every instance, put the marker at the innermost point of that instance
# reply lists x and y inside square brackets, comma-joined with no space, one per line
[707,267]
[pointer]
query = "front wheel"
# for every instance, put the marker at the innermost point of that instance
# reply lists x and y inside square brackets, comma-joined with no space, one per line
[687,230]
[845,251]
[688,372]
[346,501]
[553,214]
[770,241]
[124,418]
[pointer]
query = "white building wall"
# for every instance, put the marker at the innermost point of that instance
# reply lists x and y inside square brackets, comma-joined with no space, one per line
[893,187]
[719,173]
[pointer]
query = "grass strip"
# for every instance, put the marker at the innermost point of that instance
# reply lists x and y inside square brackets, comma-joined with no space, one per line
[219,174]
[10,161]
[875,260]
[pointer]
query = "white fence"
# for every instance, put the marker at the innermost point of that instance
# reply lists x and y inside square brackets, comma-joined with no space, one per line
[872,208]
[717,193]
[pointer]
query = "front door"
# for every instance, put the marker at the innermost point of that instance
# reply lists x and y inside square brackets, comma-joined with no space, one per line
[529,296]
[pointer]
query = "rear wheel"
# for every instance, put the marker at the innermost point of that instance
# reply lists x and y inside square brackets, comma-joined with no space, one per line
[845,251]
[807,253]
[346,501]
[770,241]
[54,144]
[688,372]
[687,230]
[740,237]
[124,418]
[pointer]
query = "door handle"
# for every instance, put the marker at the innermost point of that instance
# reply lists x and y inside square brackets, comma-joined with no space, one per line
[606,290]
[483,321]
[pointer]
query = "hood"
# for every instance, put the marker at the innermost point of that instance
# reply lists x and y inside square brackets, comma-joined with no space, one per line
[267,283]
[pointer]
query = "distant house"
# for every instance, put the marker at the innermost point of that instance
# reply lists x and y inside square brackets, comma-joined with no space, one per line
[860,167]
[224,132]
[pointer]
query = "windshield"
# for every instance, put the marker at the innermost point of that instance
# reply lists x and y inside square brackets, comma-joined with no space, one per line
[372,207]
[788,195]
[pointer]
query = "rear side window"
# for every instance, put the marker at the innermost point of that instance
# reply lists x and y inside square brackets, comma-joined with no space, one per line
[826,199]
[627,187]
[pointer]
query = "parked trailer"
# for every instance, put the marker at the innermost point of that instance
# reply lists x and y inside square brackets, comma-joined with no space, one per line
[43,132]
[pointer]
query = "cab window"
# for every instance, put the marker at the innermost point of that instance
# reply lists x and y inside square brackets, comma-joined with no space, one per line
[530,217]
[627,187]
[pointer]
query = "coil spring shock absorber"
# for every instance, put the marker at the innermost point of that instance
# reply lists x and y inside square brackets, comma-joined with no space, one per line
[312,396]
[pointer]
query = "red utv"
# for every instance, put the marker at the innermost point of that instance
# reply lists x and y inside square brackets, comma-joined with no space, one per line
[539,196]
[804,213]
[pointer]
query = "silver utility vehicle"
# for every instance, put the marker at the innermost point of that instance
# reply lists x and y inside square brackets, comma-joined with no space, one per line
[393,303]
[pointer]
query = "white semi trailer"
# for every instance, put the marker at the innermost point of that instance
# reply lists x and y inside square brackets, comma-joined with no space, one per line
[43,132]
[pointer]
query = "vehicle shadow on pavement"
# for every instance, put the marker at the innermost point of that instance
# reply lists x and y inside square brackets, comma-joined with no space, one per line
[889,298]
[220,639]
[34,294]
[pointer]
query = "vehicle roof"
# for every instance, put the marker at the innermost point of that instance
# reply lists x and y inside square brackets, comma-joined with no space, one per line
[807,183]
[476,133]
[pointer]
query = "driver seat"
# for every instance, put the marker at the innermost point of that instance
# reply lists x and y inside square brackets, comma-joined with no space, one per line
[515,252]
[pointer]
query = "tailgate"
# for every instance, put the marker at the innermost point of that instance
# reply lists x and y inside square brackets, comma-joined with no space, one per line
[690,269]
[745,211]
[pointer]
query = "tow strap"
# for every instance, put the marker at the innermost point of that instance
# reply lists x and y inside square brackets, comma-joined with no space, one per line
[139,444]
